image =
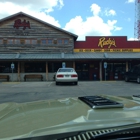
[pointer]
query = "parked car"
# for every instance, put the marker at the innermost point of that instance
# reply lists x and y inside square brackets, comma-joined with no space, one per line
[66,75]
[133,74]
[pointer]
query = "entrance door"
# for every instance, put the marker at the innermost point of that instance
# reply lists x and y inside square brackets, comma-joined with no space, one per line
[114,71]
[82,70]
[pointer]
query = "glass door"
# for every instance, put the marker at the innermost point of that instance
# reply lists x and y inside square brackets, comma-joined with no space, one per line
[82,70]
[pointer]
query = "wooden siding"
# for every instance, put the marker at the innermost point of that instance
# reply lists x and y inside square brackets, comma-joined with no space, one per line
[38,31]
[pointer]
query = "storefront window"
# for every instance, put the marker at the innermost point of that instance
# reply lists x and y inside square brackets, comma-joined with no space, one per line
[54,66]
[129,66]
[119,67]
[5,67]
[83,71]
[35,67]
[115,71]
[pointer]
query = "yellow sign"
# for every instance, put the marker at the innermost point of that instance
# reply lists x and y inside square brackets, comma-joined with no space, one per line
[109,42]
[107,50]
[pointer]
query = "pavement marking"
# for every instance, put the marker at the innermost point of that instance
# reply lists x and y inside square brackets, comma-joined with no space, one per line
[10,82]
[50,84]
[108,81]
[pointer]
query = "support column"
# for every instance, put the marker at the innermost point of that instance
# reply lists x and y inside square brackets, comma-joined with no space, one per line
[100,71]
[19,71]
[126,66]
[47,71]
[74,64]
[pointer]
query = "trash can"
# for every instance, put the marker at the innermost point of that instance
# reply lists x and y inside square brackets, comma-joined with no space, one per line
[94,77]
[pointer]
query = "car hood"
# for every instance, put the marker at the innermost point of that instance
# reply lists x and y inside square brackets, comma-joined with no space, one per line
[63,115]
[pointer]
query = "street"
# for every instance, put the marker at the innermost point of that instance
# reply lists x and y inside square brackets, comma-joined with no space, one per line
[34,91]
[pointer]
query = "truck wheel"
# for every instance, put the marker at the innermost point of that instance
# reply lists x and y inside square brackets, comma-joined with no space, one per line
[138,80]
[126,79]
[56,83]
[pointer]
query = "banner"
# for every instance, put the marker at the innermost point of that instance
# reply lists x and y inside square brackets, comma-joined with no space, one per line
[106,50]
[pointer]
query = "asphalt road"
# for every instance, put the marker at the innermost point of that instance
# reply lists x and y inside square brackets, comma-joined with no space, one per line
[33,91]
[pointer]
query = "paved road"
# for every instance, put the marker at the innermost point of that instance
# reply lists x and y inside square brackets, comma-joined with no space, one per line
[33,91]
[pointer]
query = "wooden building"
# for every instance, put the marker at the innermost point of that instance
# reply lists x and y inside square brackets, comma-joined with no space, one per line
[33,50]
[29,46]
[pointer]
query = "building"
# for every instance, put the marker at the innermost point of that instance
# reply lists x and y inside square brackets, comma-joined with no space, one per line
[31,49]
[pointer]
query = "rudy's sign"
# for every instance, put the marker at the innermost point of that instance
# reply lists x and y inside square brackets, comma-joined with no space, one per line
[106,42]
[18,23]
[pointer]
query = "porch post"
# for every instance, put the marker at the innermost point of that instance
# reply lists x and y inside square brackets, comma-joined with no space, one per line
[74,64]
[126,66]
[19,71]
[47,71]
[100,70]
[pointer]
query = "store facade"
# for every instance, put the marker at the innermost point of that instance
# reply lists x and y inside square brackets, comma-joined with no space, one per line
[31,47]
[116,52]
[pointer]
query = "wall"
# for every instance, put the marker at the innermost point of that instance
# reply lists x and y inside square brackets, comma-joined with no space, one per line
[35,31]
[14,77]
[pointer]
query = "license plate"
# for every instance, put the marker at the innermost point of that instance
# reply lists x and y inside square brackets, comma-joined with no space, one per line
[66,75]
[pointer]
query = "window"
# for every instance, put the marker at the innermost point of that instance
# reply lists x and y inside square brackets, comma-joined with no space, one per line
[60,41]
[34,41]
[49,41]
[10,41]
[66,41]
[82,70]
[5,67]
[27,41]
[54,66]
[35,67]
[66,70]
[43,42]
[17,41]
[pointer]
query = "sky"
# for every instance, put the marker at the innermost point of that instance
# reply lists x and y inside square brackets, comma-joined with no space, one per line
[80,17]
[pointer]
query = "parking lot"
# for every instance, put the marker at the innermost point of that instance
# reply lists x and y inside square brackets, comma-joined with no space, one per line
[33,91]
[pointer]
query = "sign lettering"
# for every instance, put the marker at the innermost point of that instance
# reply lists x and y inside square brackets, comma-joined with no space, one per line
[107,50]
[109,42]
[87,50]
[18,23]
[97,50]
[116,50]
[127,50]
[80,50]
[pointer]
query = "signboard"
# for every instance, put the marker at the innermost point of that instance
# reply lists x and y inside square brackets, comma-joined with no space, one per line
[12,66]
[105,65]
[63,64]
[106,42]
[107,50]
[19,23]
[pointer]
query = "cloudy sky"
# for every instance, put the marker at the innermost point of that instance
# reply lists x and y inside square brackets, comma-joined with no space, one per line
[81,17]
